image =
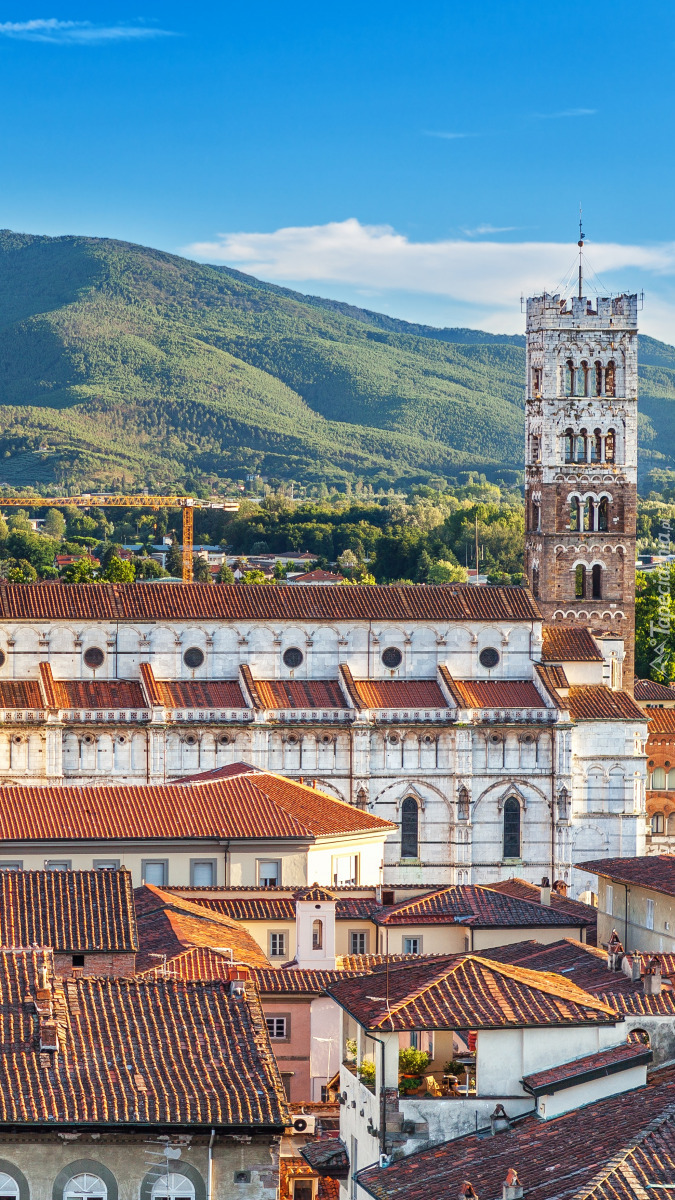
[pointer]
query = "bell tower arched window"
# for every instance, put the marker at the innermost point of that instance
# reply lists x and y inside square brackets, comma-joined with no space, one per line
[609,446]
[580,447]
[409,828]
[317,935]
[535,582]
[582,379]
[603,515]
[511,828]
[462,805]
[569,445]
[596,446]
[596,582]
[598,378]
[580,582]
[574,514]
[610,379]
[569,377]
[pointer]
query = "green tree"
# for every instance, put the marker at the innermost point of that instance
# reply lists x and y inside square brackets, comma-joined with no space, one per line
[280,571]
[119,570]
[225,574]
[655,625]
[55,525]
[4,529]
[254,577]
[19,519]
[17,571]
[148,568]
[81,571]
[110,550]
[201,572]
[34,547]
[174,558]
[444,571]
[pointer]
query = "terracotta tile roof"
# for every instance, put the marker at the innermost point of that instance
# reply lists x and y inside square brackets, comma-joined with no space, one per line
[246,805]
[198,962]
[71,911]
[587,967]
[523,890]
[299,693]
[594,702]
[318,576]
[251,908]
[200,693]
[167,924]
[294,981]
[103,693]
[654,871]
[591,1066]
[610,1148]
[297,1168]
[231,602]
[661,720]
[121,1040]
[472,904]
[20,693]
[326,1155]
[497,693]
[470,992]
[314,892]
[562,644]
[355,908]
[552,676]
[397,693]
[648,689]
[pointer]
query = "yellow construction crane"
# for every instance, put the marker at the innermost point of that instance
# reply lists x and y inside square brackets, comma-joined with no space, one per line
[113,500]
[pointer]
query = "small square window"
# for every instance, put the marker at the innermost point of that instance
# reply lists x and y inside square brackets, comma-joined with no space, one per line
[303,1189]
[106,864]
[155,871]
[269,873]
[11,866]
[78,960]
[412,945]
[277,945]
[242,1177]
[54,864]
[203,872]
[358,942]
[277,1027]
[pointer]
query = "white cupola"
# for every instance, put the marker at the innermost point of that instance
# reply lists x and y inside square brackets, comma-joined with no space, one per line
[315,927]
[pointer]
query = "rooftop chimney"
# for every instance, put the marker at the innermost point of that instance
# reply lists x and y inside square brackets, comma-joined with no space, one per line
[652,977]
[546,891]
[512,1188]
[466,1191]
[499,1120]
[614,952]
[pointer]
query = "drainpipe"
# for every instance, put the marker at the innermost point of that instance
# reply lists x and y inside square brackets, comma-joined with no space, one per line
[625,920]
[553,748]
[209,1174]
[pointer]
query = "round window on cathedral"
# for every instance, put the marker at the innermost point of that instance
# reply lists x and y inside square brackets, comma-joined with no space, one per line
[392,657]
[193,657]
[293,657]
[224,739]
[88,739]
[489,657]
[2,658]
[94,657]
[190,740]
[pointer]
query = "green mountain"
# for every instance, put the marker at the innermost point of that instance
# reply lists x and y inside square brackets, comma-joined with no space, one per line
[122,365]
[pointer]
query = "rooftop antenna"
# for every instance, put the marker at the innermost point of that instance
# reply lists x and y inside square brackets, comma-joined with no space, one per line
[580,244]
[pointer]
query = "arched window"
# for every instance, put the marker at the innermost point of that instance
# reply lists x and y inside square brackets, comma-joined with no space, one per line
[409,828]
[609,446]
[658,779]
[569,445]
[603,515]
[85,1187]
[596,446]
[582,379]
[536,516]
[574,514]
[535,582]
[536,448]
[610,379]
[580,582]
[657,822]
[462,804]
[671,823]
[8,1187]
[671,780]
[588,515]
[536,379]
[580,447]
[596,576]
[598,378]
[569,377]
[173,1187]
[317,935]
[511,828]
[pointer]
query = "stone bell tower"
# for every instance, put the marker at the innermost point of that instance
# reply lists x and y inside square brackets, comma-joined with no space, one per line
[581,462]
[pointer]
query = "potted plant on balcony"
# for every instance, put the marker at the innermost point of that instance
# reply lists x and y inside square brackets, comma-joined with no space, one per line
[412,1065]
[366,1073]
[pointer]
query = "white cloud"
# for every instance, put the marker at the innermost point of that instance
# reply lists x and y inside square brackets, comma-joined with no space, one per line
[49,29]
[567,112]
[450,137]
[376,256]
[481,230]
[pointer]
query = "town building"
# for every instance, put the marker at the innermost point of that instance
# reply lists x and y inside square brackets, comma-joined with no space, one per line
[636,897]
[581,463]
[494,743]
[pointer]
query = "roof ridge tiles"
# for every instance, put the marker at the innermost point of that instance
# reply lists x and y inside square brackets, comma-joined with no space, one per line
[621,1156]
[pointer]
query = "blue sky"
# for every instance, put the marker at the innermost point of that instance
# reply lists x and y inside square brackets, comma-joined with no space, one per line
[424,160]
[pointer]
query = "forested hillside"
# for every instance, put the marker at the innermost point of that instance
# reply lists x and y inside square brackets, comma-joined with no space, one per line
[124,366]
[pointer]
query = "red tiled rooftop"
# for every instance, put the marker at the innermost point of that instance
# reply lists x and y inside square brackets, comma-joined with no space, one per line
[469,992]
[201,693]
[20,693]
[195,601]
[591,1066]
[497,693]
[608,1149]
[472,904]
[298,693]
[114,1032]
[102,693]
[169,924]
[318,576]
[71,911]
[523,890]
[649,689]
[562,644]
[661,720]
[397,693]
[595,702]
[654,871]
[250,804]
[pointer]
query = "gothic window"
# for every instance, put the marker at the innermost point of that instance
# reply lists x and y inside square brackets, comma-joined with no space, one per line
[588,515]
[580,447]
[536,379]
[462,805]
[610,379]
[596,446]
[574,515]
[596,584]
[535,520]
[569,445]
[569,377]
[409,828]
[535,582]
[658,779]
[671,824]
[511,828]
[657,823]
[582,379]
[317,935]
[609,446]
[671,780]
[598,378]
[563,804]
[580,582]
[536,448]
[603,515]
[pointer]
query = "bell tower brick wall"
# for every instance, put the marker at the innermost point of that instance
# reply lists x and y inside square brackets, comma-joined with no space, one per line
[581,463]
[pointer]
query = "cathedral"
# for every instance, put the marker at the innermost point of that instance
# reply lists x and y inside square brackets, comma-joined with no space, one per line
[495,726]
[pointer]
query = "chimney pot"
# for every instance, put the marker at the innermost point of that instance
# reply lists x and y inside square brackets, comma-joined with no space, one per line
[545,892]
[651,982]
[466,1191]
[512,1188]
